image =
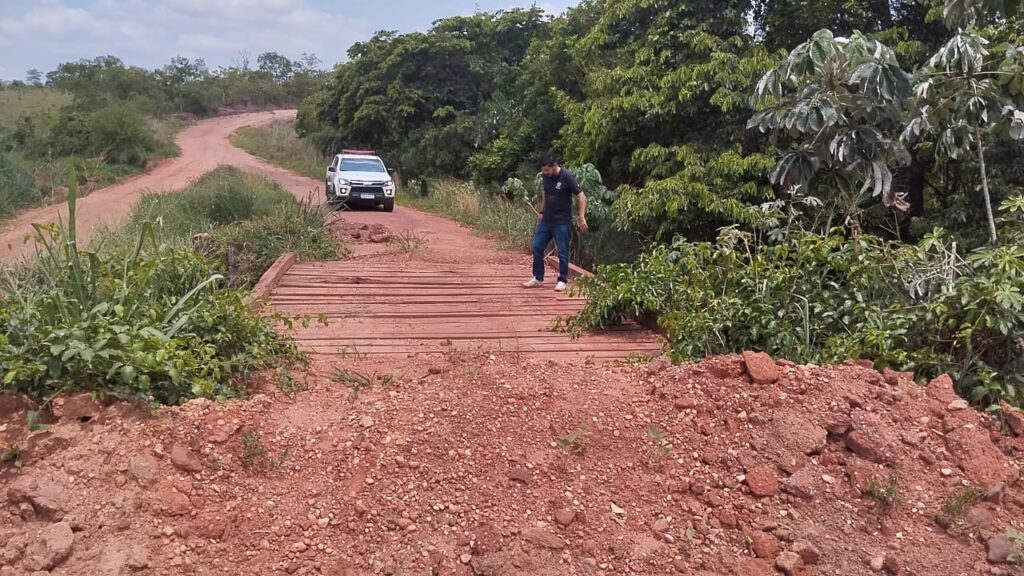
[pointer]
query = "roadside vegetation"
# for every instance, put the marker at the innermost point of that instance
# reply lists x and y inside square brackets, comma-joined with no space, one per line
[150,313]
[278,144]
[101,119]
[838,181]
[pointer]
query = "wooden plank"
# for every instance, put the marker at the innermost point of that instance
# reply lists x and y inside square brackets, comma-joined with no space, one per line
[270,279]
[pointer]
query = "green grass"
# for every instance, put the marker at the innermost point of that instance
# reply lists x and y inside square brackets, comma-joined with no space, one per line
[16,103]
[278,144]
[144,316]
[235,207]
[511,223]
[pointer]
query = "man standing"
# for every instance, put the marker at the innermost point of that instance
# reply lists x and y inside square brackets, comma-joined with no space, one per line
[554,220]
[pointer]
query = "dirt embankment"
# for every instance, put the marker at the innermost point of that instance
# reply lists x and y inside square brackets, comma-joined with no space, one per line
[470,466]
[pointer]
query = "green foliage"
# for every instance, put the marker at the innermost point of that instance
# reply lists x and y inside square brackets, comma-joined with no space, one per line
[821,299]
[120,135]
[960,501]
[575,442]
[279,144]
[888,493]
[141,319]
[17,189]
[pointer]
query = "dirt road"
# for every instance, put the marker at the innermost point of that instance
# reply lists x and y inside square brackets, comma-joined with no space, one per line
[204,146]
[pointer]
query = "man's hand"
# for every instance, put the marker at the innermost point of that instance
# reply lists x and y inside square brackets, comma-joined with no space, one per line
[540,215]
[583,224]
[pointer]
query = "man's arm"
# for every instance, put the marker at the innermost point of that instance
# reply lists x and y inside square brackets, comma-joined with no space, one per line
[540,208]
[581,201]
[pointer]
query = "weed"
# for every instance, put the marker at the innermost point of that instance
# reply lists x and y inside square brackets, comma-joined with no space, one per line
[1016,540]
[288,384]
[575,442]
[889,493]
[278,144]
[255,454]
[33,423]
[11,455]
[356,381]
[959,502]
[658,444]
[409,242]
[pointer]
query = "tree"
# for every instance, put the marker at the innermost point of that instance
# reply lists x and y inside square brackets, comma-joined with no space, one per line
[34,77]
[960,98]
[279,67]
[835,105]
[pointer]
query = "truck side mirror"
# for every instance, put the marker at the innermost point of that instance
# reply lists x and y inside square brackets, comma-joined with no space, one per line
[331,169]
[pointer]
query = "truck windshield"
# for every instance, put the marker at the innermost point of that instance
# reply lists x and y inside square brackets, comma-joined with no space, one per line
[362,165]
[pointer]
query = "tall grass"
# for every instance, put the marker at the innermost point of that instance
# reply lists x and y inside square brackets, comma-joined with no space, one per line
[17,189]
[146,319]
[510,223]
[16,103]
[234,207]
[278,144]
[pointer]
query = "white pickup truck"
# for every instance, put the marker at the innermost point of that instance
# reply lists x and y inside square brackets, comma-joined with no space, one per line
[360,178]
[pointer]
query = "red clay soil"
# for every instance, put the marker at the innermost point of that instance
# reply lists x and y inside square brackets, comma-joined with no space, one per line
[455,467]
[490,464]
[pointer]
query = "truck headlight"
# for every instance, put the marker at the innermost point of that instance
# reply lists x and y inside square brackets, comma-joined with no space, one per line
[389,189]
[343,187]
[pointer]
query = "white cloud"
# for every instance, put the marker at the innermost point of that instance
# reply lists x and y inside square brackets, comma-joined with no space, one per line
[149,32]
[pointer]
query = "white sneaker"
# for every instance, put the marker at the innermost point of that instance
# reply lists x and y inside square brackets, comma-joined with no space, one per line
[561,287]
[533,283]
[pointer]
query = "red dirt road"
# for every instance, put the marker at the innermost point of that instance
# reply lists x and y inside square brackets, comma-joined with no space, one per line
[204,146]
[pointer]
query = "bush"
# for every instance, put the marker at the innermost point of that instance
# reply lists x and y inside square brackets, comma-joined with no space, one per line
[17,190]
[151,322]
[120,134]
[823,299]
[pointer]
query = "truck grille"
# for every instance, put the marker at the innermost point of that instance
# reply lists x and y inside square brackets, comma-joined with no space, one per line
[378,190]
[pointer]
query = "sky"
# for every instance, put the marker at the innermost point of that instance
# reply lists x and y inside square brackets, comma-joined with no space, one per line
[147,33]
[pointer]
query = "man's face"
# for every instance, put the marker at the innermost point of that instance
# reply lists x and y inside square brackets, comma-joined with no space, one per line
[550,171]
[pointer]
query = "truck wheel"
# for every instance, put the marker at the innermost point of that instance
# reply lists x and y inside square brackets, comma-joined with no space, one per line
[389,205]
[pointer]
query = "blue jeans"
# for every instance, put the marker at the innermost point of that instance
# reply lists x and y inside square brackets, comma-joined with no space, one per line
[545,232]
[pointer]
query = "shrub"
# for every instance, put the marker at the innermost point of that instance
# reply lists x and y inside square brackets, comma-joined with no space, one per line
[17,190]
[120,134]
[821,299]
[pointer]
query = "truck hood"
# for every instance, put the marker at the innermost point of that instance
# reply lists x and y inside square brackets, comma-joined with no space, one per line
[365,176]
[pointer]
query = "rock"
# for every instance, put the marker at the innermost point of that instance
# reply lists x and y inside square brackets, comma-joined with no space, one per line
[680,565]
[183,459]
[299,546]
[144,468]
[764,545]
[214,527]
[892,564]
[490,564]
[219,431]
[659,365]
[762,481]
[958,404]
[978,517]
[521,475]
[839,426]
[137,558]
[45,497]
[366,422]
[685,402]
[877,563]
[761,367]
[543,538]
[660,527]
[1014,418]
[999,549]
[802,484]
[788,562]
[995,494]
[565,517]
[795,432]
[169,502]
[79,407]
[807,552]
[982,462]
[405,523]
[942,389]
[465,558]
[866,447]
[50,548]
